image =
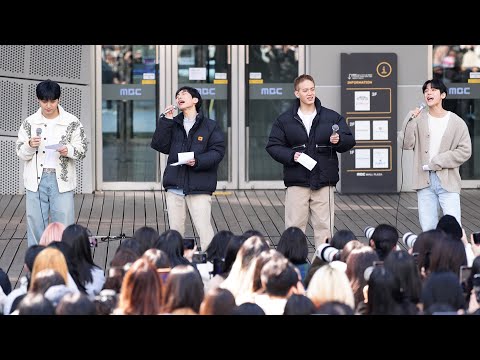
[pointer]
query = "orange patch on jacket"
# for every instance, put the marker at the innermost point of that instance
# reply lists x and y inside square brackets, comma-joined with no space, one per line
[200,138]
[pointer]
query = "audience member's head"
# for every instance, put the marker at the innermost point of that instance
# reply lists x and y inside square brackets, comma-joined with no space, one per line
[442,288]
[248,309]
[217,301]
[450,226]
[75,304]
[53,232]
[35,304]
[341,238]
[298,304]
[384,239]
[146,237]
[293,245]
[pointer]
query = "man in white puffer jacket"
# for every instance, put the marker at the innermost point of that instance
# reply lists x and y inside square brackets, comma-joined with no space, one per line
[49,142]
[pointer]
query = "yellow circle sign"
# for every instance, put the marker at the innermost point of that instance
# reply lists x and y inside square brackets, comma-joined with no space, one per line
[384,69]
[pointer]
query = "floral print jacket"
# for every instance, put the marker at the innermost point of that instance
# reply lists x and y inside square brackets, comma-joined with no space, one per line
[68,131]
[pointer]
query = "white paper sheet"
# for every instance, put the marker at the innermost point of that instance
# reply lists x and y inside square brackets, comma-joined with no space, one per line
[195,73]
[380,158]
[362,100]
[380,130]
[362,130]
[183,157]
[362,158]
[307,161]
[53,146]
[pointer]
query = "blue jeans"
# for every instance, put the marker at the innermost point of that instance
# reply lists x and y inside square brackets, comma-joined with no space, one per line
[430,198]
[47,203]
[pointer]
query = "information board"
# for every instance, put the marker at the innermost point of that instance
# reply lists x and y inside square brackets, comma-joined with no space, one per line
[369,105]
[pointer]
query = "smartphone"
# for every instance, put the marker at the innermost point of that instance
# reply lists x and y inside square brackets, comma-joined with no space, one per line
[199,257]
[465,272]
[188,243]
[476,238]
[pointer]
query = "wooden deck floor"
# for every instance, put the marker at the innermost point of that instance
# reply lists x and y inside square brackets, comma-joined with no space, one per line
[113,213]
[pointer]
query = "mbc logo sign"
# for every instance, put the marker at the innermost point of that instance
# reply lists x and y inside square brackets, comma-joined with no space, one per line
[131,92]
[271,91]
[206,91]
[459,91]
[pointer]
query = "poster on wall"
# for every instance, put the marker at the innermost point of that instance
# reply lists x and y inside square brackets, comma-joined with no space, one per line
[369,105]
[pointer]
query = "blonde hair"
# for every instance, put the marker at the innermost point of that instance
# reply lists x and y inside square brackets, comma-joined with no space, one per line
[50,258]
[53,232]
[330,284]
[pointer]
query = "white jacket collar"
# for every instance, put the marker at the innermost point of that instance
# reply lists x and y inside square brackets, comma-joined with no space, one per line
[62,119]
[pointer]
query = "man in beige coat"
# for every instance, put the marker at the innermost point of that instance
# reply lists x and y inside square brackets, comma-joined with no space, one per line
[441,143]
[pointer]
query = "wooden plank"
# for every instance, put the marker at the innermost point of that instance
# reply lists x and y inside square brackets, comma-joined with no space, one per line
[128,213]
[239,213]
[267,223]
[275,219]
[231,220]
[9,252]
[161,211]
[4,201]
[85,210]
[77,205]
[139,210]
[218,220]
[254,222]
[150,211]
[10,211]
[18,261]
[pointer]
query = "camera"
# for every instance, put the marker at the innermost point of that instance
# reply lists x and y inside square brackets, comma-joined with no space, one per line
[199,257]
[188,243]
[476,238]
[369,232]
[327,253]
[409,239]
[476,286]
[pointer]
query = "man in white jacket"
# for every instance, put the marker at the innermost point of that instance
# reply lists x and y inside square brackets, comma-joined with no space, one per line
[49,142]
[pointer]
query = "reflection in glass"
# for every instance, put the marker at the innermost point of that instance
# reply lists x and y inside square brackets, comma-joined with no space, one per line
[212,60]
[276,64]
[458,64]
[128,125]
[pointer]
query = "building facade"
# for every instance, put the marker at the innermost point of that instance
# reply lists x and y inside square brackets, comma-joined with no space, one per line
[117,92]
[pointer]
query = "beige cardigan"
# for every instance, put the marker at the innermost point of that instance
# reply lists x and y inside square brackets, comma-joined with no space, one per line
[455,149]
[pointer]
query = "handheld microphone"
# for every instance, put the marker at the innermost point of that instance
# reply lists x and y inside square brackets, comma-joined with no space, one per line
[167,111]
[39,131]
[334,129]
[420,109]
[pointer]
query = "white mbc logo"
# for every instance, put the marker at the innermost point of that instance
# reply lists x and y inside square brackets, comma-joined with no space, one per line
[271,91]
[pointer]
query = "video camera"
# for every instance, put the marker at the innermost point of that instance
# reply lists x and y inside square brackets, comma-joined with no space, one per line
[328,253]
[199,257]
[409,239]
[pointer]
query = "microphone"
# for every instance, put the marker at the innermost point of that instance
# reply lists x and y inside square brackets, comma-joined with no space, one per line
[39,131]
[334,129]
[167,111]
[420,109]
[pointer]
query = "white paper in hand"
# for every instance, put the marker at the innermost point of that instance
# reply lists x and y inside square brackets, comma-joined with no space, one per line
[183,157]
[307,161]
[53,146]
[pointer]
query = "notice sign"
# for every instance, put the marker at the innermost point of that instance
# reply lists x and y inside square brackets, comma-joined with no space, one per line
[369,105]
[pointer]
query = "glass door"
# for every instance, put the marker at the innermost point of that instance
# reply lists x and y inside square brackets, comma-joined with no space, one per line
[209,69]
[458,66]
[267,72]
[129,101]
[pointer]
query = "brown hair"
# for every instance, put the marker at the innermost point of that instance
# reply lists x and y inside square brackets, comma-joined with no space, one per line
[302,78]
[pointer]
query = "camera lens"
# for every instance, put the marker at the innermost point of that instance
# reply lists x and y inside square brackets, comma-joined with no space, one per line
[369,232]
[327,253]
[409,239]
